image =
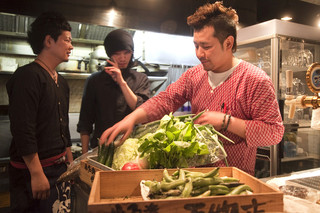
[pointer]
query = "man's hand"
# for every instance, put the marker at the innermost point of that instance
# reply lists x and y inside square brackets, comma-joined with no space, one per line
[39,183]
[124,127]
[236,125]
[213,118]
[114,72]
[40,186]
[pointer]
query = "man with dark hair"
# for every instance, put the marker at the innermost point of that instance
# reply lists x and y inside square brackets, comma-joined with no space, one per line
[113,93]
[239,98]
[38,112]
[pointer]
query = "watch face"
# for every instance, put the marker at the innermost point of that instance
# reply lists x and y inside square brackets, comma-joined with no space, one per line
[313,77]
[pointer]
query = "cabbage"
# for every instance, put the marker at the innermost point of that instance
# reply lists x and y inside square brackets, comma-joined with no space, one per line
[127,152]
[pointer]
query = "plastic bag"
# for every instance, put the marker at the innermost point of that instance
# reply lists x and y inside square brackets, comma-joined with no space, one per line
[73,170]
[186,134]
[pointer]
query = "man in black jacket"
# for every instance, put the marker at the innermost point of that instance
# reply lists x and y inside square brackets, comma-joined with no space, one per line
[38,112]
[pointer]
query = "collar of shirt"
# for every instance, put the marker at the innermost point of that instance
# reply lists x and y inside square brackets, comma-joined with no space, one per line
[216,79]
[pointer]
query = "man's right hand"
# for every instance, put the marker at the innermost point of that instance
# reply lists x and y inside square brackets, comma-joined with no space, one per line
[40,186]
[125,127]
[39,183]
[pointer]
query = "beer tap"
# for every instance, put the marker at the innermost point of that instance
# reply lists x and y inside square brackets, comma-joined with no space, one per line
[303,101]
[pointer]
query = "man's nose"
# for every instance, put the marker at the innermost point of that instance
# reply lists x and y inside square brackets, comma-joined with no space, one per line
[200,52]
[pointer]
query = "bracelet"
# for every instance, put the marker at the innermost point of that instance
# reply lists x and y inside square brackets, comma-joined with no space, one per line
[225,129]
[224,121]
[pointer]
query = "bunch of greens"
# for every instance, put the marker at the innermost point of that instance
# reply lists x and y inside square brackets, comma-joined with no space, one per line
[176,142]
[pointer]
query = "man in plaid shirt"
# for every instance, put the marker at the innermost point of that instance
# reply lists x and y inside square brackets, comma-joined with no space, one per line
[239,97]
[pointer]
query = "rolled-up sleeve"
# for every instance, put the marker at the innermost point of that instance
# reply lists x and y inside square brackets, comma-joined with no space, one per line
[87,114]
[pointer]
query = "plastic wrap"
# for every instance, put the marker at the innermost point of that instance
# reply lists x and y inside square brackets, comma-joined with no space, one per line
[203,136]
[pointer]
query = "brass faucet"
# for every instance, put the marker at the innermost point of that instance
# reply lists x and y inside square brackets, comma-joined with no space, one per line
[303,101]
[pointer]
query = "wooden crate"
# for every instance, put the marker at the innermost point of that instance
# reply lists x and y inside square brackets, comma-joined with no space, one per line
[87,172]
[119,191]
[88,168]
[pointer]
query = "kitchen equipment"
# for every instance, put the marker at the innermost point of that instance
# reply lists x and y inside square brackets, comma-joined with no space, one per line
[97,58]
[73,65]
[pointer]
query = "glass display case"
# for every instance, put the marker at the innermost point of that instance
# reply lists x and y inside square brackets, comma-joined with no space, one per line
[276,47]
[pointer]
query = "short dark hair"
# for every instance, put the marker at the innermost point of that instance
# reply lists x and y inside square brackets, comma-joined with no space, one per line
[49,23]
[223,20]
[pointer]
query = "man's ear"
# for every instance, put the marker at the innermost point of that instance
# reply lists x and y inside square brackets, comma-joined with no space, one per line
[47,41]
[228,42]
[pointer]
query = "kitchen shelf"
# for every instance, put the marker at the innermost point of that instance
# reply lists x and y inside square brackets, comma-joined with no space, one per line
[68,75]
[299,158]
[74,40]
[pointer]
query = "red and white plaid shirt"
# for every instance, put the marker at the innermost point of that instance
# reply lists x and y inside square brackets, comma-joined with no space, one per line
[247,93]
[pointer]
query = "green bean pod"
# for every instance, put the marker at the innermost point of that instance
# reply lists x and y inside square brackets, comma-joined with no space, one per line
[199,191]
[212,173]
[172,192]
[205,194]
[171,185]
[166,176]
[182,175]
[237,190]
[219,190]
[199,182]
[187,188]
[229,179]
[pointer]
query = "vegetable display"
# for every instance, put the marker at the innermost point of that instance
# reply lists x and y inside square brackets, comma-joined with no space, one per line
[172,142]
[183,183]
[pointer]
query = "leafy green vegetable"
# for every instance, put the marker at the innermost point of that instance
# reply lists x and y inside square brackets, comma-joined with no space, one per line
[179,143]
[127,152]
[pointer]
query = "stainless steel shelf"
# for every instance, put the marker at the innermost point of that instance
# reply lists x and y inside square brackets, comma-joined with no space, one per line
[298,158]
[68,75]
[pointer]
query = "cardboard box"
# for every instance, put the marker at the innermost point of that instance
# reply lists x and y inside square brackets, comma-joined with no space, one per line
[119,191]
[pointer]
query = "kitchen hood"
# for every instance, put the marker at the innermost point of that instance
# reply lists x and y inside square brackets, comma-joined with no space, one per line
[164,16]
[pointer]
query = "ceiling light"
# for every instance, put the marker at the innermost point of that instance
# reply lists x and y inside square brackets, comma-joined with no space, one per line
[286,11]
[286,18]
[111,14]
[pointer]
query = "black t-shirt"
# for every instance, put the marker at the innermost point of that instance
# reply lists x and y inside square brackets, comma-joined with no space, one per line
[38,112]
[103,103]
